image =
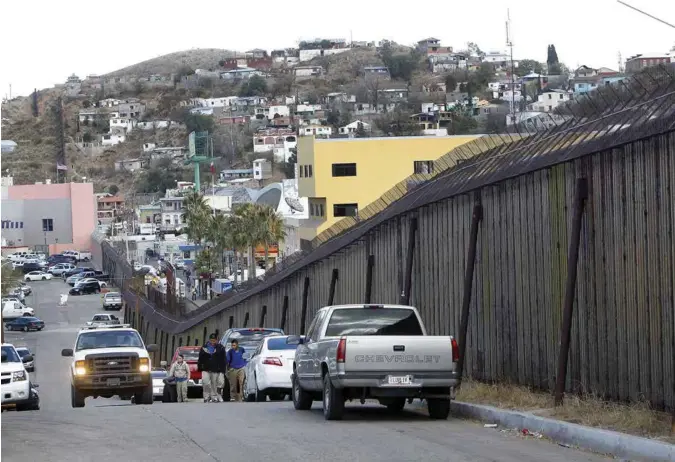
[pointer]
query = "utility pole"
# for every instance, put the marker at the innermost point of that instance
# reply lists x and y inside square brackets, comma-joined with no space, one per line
[509,43]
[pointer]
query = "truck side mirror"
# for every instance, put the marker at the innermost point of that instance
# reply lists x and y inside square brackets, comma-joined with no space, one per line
[67,352]
[151,348]
[27,359]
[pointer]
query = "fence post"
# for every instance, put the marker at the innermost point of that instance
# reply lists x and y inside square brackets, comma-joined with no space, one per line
[369,277]
[476,219]
[284,313]
[409,259]
[580,197]
[231,321]
[303,316]
[333,283]
[246,320]
[263,315]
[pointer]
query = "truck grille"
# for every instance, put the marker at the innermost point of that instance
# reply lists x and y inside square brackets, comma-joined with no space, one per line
[112,364]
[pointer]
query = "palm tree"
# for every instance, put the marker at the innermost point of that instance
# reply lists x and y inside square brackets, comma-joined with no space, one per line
[220,235]
[271,227]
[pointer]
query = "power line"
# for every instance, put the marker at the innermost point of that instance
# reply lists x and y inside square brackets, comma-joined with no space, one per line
[646,14]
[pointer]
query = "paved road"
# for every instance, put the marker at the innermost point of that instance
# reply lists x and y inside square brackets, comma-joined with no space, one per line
[113,430]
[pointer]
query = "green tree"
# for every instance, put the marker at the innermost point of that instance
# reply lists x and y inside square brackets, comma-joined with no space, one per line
[450,83]
[289,167]
[10,278]
[255,86]
[113,189]
[551,56]
[527,66]
[199,123]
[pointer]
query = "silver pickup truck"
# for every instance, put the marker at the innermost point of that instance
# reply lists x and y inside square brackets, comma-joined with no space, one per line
[377,352]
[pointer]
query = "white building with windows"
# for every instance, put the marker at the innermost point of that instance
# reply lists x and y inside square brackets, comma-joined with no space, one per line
[550,100]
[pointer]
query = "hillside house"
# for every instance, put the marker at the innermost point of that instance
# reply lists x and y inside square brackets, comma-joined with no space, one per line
[108,208]
[133,109]
[171,209]
[550,100]
[130,165]
[306,72]
[108,102]
[90,115]
[233,120]
[110,139]
[381,72]
[322,131]
[339,97]
[353,128]
[638,62]
[310,49]
[274,112]
[123,124]
[147,147]
[262,169]
[242,73]
[236,174]
[394,94]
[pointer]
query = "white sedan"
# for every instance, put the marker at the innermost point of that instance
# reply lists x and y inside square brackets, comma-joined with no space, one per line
[100,283]
[37,276]
[268,372]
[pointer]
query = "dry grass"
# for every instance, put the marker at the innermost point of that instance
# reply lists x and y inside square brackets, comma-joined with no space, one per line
[198,58]
[635,418]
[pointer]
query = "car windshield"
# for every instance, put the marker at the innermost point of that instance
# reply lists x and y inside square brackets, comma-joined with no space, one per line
[279,344]
[373,321]
[9,355]
[112,295]
[189,355]
[108,339]
[23,352]
[26,320]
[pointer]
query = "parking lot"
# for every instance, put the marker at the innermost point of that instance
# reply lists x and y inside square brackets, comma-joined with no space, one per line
[114,430]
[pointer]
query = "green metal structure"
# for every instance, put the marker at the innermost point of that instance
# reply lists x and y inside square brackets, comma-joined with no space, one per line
[200,151]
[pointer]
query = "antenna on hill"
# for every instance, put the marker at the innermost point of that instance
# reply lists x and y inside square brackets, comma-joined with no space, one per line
[509,43]
[620,62]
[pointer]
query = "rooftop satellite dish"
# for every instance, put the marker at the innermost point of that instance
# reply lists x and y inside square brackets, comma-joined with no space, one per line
[294,204]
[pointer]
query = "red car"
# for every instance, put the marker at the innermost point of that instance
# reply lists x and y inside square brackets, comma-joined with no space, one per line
[190,355]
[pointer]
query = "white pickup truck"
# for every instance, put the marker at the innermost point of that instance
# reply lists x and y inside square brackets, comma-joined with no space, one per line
[382,352]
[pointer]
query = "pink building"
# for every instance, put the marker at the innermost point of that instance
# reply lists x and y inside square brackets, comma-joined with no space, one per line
[54,216]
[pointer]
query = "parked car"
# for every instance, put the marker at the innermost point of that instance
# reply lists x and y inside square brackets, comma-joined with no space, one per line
[23,352]
[37,276]
[158,376]
[83,288]
[33,266]
[377,352]
[13,308]
[190,356]
[103,319]
[268,372]
[112,301]
[249,339]
[25,323]
[16,387]
[59,268]
[25,288]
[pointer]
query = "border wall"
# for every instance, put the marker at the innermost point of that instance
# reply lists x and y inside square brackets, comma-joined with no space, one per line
[622,343]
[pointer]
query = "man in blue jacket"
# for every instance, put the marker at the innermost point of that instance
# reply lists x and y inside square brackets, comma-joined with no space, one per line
[235,370]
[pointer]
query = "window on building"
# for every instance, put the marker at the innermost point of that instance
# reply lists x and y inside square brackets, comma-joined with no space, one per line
[423,166]
[344,169]
[311,173]
[47,224]
[345,210]
[300,170]
[186,254]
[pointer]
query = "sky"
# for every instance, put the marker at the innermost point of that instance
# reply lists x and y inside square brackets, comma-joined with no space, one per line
[85,37]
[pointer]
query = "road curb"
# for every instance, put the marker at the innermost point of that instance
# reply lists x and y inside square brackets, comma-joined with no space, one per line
[594,439]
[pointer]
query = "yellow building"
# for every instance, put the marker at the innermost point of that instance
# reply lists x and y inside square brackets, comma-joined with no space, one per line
[341,176]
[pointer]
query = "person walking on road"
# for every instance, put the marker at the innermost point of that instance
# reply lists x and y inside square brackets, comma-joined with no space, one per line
[212,364]
[181,372]
[235,370]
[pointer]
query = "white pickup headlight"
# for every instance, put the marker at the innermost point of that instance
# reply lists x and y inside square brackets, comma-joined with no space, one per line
[18,376]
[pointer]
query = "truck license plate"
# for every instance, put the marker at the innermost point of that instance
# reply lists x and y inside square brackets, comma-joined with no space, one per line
[404,380]
[112,382]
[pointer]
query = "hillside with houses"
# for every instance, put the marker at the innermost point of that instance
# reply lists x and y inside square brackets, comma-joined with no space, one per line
[128,130]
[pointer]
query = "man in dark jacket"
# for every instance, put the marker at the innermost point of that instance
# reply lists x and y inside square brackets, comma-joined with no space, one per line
[212,364]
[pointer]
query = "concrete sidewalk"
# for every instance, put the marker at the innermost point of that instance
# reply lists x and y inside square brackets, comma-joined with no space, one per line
[600,441]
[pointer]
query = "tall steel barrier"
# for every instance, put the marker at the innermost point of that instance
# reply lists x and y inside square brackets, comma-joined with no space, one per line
[561,237]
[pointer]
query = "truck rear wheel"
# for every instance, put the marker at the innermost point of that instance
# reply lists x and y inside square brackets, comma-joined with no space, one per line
[333,400]
[439,409]
[302,401]
[76,398]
